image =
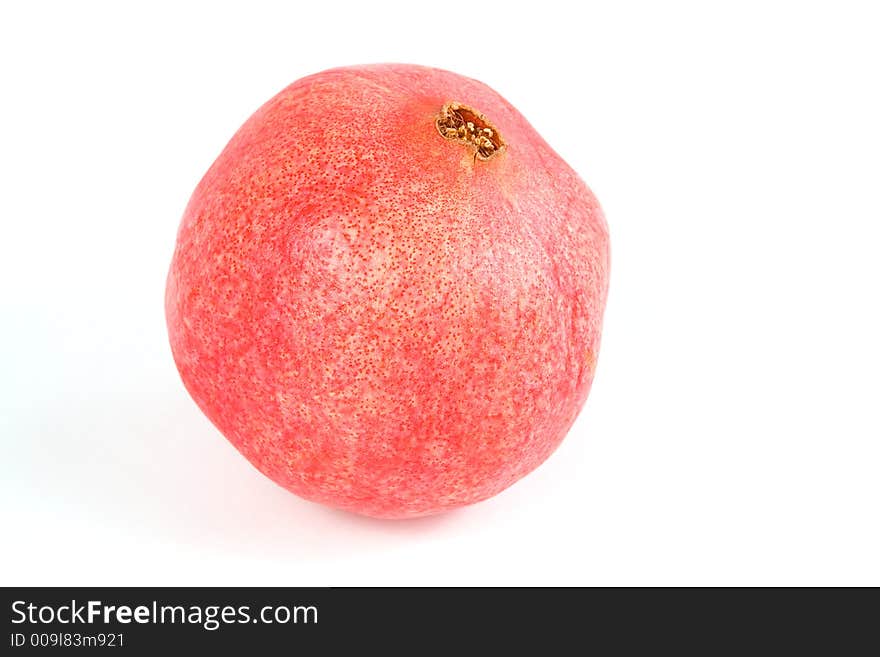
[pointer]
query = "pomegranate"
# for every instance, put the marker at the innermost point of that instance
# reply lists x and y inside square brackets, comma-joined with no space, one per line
[387,291]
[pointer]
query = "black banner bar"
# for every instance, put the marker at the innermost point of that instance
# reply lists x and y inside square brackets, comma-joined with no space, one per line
[417,620]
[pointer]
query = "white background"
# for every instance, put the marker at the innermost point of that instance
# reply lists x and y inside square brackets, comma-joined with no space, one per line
[732,435]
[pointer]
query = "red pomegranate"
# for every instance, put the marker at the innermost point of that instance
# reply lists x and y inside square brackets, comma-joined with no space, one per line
[387,291]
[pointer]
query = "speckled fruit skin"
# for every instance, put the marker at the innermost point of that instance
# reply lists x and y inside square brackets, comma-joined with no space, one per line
[378,320]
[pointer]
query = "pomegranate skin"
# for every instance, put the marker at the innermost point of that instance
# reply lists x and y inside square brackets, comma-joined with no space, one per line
[380,318]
